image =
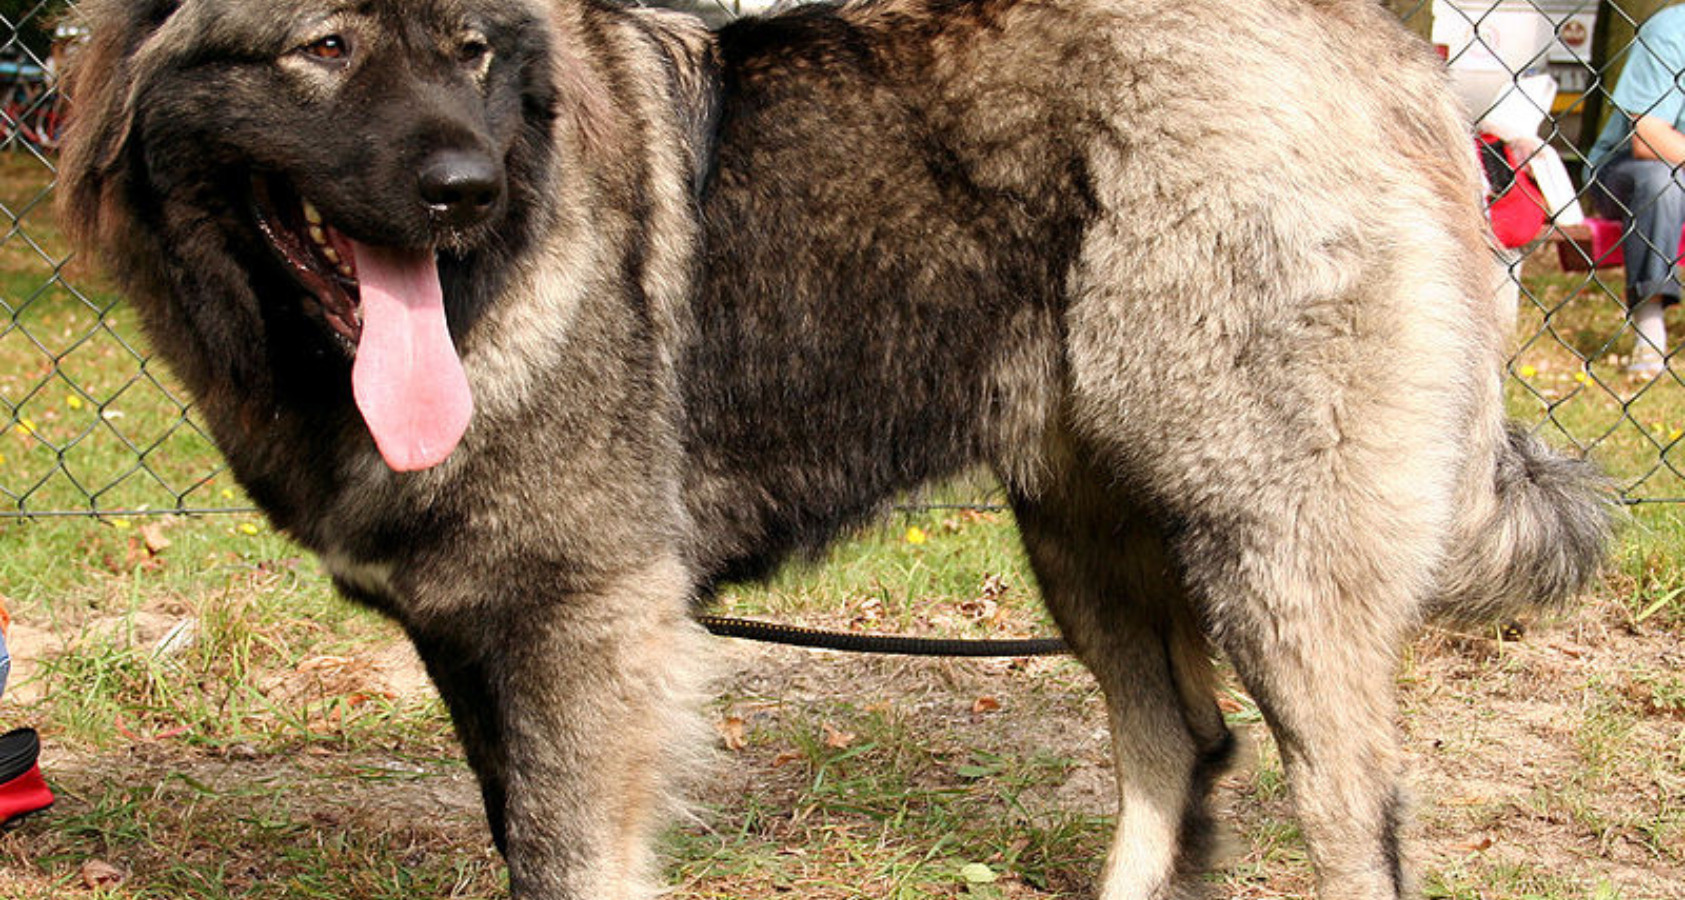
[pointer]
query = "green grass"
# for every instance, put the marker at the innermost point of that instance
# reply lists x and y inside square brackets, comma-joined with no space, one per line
[964,567]
[1572,342]
[900,815]
[85,421]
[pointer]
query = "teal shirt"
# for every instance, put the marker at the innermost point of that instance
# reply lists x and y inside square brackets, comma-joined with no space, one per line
[1650,85]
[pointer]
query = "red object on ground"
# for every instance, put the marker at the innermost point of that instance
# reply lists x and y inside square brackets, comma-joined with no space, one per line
[1594,245]
[1515,207]
[22,789]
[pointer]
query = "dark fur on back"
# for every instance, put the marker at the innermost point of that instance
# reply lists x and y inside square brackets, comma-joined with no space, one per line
[729,293]
[954,314]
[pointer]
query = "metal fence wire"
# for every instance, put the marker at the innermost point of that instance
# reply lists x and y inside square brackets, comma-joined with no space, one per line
[89,425]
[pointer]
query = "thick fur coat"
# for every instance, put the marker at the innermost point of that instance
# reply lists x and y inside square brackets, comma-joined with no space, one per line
[537,319]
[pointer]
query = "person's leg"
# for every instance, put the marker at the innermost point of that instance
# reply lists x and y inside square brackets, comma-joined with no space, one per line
[1648,196]
[1650,342]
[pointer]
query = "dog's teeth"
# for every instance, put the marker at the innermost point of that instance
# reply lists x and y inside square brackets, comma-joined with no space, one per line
[312,214]
[345,269]
[318,235]
[331,254]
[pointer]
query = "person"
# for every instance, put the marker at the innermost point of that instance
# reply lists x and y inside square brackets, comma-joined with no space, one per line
[1635,166]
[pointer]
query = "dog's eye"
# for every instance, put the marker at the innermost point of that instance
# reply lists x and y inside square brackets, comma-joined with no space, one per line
[472,50]
[333,48]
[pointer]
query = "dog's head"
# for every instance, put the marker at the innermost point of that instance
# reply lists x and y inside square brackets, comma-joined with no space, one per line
[296,171]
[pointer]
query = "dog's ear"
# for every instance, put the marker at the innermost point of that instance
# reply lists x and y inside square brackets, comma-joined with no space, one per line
[100,85]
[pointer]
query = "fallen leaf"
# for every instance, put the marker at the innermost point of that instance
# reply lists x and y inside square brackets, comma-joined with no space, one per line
[785,758]
[153,536]
[984,705]
[978,873]
[732,733]
[838,740]
[1480,846]
[98,874]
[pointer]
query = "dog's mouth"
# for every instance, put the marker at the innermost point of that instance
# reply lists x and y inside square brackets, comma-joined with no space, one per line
[387,304]
[322,258]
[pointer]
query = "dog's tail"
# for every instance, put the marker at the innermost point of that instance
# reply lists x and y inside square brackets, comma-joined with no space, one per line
[1536,541]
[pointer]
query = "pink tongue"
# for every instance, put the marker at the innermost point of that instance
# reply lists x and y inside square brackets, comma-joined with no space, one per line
[407,379]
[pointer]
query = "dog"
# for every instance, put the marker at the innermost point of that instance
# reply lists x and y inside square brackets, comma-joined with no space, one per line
[539,319]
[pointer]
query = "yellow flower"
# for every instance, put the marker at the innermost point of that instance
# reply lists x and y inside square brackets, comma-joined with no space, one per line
[916,535]
[1676,434]
[1526,371]
[227,494]
[248,528]
[73,401]
[121,524]
[1582,378]
[26,426]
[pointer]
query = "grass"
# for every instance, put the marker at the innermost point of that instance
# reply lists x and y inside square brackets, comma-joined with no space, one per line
[85,421]
[219,725]
[893,814]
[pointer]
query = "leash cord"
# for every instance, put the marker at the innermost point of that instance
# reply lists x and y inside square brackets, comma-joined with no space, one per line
[814,638]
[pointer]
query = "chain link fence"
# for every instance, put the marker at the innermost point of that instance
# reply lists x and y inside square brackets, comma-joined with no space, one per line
[89,425]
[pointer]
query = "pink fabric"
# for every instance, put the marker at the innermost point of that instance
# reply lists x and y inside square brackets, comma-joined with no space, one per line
[1606,242]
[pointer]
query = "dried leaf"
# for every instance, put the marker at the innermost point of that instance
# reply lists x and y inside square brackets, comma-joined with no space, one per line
[733,733]
[785,758]
[1480,846]
[1569,650]
[153,535]
[838,740]
[985,705]
[98,874]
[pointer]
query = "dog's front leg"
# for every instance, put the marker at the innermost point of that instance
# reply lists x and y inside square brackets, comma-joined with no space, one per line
[574,711]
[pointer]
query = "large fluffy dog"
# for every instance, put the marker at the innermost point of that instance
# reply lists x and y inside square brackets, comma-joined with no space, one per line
[538,318]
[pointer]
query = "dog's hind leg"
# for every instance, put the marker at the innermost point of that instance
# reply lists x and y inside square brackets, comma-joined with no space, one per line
[1317,648]
[1109,583]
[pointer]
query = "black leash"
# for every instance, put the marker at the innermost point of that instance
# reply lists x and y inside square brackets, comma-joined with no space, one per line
[814,638]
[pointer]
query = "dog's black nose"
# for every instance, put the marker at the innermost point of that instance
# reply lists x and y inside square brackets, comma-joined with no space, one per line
[461,186]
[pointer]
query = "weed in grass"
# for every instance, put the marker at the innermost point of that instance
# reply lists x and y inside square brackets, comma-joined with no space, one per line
[1603,735]
[1524,881]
